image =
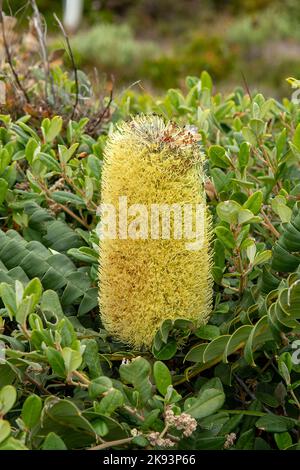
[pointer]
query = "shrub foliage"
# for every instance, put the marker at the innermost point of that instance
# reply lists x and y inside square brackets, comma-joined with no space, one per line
[64,382]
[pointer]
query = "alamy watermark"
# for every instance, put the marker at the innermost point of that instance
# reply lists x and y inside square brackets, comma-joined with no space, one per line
[178,221]
[296,353]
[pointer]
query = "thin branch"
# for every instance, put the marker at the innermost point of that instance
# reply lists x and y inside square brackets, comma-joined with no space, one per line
[133,413]
[79,190]
[248,391]
[81,377]
[246,85]
[269,225]
[98,121]
[37,22]
[72,61]
[66,209]
[70,212]
[9,58]
[106,445]
[37,384]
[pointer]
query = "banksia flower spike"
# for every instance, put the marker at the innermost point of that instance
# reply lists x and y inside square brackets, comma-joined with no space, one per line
[151,268]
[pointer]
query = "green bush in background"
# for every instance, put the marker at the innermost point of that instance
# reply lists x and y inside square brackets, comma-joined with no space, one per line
[112,47]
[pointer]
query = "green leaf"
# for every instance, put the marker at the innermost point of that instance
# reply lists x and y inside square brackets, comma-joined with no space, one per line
[228,211]
[137,373]
[220,178]
[56,361]
[85,254]
[50,303]
[274,423]
[49,161]
[5,159]
[207,403]
[280,143]
[89,301]
[246,440]
[12,444]
[113,400]
[225,236]
[64,197]
[65,419]
[296,138]
[7,295]
[246,216]
[99,386]
[250,249]
[8,396]
[165,329]
[262,257]
[215,348]
[162,377]
[249,135]
[254,202]
[91,358]
[66,153]
[88,188]
[4,430]
[257,126]
[284,372]
[244,155]
[32,149]
[100,427]
[195,354]
[223,110]
[218,157]
[283,440]
[72,359]
[53,442]
[166,352]
[172,396]
[31,410]
[255,336]
[34,288]
[208,332]
[3,189]
[150,419]
[140,441]
[51,128]
[206,80]
[26,307]
[236,340]
[280,208]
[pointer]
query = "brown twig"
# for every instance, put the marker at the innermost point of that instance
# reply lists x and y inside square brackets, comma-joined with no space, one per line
[70,212]
[246,85]
[37,22]
[248,391]
[106,445]
[70,52]
[37,384]
[93,125]
[9,58]
[66,209]
[79,190]
[84,380]
[133,413]
[268,224]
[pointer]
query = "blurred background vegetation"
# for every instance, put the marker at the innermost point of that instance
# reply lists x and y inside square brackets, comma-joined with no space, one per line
[155,44]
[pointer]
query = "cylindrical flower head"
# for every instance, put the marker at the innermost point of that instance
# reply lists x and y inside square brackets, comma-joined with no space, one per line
[155,261]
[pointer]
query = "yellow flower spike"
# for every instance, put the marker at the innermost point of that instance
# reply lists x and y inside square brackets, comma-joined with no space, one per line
[146,278]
